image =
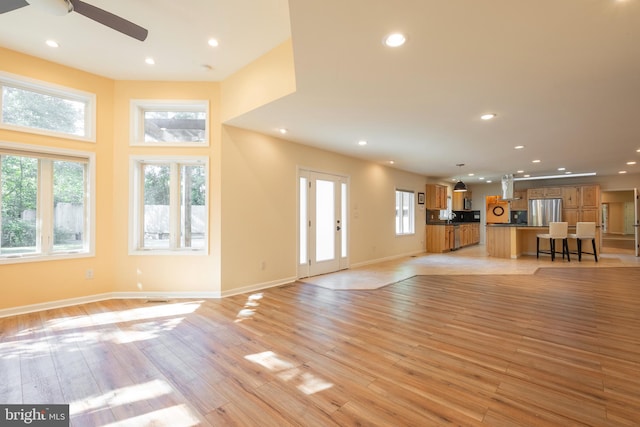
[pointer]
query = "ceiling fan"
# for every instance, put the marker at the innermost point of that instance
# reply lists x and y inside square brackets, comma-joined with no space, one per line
[63,7]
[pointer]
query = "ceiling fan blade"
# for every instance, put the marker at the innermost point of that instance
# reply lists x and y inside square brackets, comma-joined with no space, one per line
[9,5]
[110,20]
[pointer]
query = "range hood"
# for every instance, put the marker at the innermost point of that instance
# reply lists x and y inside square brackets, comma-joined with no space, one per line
[507,187]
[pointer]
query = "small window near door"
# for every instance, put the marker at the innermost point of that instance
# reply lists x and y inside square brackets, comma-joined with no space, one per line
[405,212]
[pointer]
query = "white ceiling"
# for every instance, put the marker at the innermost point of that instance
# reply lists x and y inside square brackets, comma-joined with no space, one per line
[563,76]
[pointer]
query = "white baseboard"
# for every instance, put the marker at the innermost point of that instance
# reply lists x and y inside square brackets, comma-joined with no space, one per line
[24,309]
[157,296]
[389,258]
[258,287]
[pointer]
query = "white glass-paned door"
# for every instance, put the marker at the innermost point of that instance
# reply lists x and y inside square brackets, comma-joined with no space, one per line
[323,245]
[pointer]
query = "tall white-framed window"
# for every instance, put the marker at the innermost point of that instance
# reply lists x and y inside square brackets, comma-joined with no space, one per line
[47,207]
[405,212]
[33,106]
[183,123]
[169,205]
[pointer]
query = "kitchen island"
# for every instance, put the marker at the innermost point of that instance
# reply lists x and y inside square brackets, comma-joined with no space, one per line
[515,240]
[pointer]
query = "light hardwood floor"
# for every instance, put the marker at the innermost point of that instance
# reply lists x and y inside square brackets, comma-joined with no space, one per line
[556,346]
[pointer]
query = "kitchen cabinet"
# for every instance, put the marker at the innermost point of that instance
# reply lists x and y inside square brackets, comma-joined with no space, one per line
[519,202]
[458,200]
[589,215]
[436,196]
[469,234]
[439,238]
[535,193]
[573,215]
[590,196]
[570,196]
[552,192]
[570,215]
[544,193]
[581,203]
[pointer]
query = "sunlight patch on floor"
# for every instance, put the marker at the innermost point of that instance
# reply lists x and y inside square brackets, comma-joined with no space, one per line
[308,383]
[174,416]
[121,396]
[130,315]
[250,307]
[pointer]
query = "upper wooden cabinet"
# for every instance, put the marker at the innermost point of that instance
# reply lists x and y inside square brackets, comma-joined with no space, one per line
[436,196]
[581,203]
[519,202]
[544,193]
[551,192]
[590,196]
[535,193]
[459,199]
[581,196]
[570,196]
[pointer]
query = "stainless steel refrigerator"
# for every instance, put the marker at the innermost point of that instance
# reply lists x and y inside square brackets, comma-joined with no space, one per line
[543,211]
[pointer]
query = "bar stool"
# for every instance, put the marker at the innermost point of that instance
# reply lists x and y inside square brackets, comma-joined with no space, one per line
[557,230]
[585,230]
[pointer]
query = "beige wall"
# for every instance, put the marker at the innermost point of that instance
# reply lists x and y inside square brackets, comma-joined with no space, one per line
[259,207]
[167,273]
[270,77]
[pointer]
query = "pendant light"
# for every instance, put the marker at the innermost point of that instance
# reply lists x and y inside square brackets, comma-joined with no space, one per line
[460,186]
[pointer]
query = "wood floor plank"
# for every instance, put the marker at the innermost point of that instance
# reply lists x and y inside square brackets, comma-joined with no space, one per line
[560,347]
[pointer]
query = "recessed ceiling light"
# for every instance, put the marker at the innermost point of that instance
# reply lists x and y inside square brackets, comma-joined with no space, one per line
[638,150]
[391,162]
[568,173]
[471,174]
[520,171]
[622,171]
[631,163]
[519,147]
[149,61]
[527,176]
[213,42]
[52,43]
[489,181]
[562,169]
[395,40]
[362,142]
[481,178]
[488,116]
[283,130]
[535,161]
